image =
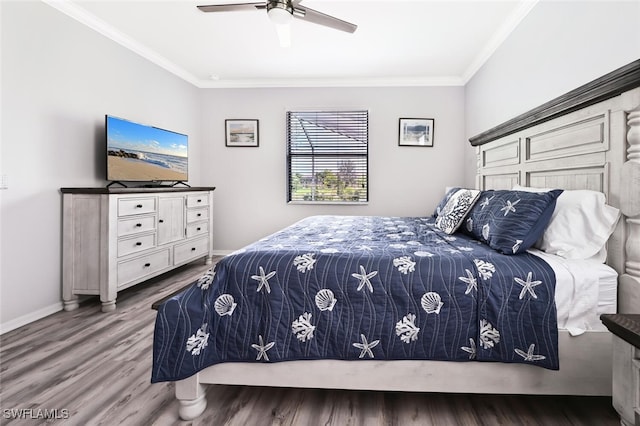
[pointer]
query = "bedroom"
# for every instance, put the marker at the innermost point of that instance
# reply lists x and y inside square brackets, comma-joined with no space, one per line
[59,78]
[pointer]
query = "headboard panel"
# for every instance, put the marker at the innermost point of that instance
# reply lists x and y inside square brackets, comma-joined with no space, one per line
[584,177]
[579,136]
[584,148]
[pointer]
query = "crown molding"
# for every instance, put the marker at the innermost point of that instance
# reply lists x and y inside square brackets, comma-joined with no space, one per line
[498,38]
[332,82]
[81,15]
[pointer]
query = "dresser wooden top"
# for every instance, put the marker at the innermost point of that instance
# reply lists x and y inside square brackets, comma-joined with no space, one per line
[625,326]
[134,190]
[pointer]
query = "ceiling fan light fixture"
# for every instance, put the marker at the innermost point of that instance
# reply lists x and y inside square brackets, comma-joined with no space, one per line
[280,12]
[284,35]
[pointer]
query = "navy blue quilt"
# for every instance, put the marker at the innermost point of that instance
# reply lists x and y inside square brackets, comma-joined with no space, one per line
[361,288]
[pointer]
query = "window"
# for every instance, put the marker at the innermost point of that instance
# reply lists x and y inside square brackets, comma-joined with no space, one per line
[327,156]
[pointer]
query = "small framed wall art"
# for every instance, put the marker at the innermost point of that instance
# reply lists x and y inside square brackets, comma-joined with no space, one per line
[241,133]
[416,132]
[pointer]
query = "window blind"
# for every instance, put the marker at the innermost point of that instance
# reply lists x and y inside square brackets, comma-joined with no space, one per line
[327,156]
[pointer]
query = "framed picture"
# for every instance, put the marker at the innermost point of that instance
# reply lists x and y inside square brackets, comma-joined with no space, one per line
[416,132]
[241,132]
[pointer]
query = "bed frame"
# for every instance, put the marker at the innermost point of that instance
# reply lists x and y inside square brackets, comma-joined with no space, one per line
[577,141]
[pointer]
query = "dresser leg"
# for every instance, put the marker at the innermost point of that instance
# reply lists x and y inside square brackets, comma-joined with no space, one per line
[109,306]
[71,304]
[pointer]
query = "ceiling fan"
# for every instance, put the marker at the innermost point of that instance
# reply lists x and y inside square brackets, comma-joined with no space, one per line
[281,12]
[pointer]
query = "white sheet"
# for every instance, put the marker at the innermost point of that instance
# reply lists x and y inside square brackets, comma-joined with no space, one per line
[584,290]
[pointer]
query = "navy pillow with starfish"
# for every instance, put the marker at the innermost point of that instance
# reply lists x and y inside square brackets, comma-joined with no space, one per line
[510,221]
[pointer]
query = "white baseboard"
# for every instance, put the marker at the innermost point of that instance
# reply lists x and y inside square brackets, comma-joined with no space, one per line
[52,309]
[30,317]
[222,252]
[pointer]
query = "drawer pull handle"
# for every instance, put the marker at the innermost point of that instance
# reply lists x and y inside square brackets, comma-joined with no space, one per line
[138,206]
[138,243]
[199,214]
[139,225]
[197,229]
[161,220]
[199,200]
[193,249]
[146,265]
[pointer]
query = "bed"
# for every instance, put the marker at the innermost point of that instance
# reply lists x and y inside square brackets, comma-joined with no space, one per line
[588,139]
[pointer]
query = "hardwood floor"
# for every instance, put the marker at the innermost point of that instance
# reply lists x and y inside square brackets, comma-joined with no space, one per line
[95,369]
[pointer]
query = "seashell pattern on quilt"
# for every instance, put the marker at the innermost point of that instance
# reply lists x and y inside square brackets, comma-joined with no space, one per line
[361,288]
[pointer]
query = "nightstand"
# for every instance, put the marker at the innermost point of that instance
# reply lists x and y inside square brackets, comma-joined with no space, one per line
[626,365]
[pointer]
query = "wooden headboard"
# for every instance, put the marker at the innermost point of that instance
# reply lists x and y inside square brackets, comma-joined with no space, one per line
[586,139]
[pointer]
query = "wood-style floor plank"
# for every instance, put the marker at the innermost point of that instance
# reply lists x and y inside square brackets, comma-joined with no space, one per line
[97,366]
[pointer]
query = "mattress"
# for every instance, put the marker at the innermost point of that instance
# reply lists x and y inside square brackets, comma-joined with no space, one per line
[585,289]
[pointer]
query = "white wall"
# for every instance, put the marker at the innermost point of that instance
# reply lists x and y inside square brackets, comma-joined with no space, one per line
[250,199]
[59,79]
[559,46]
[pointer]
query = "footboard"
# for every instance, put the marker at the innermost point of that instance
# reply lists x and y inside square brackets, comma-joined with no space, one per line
[586,370]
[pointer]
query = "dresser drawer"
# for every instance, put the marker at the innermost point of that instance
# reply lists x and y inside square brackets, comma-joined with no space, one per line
[194,229]
[195,215]
[197,200]
[131,206]
[140,267]
[136,225]
[138,243]
[190,250]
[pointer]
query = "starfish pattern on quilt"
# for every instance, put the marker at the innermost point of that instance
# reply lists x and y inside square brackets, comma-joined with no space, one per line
[529,355]
[263,279]
[470,280]
[527,286]
[366,346]
[436,328]
[364,278]
[471,349]
[262,348]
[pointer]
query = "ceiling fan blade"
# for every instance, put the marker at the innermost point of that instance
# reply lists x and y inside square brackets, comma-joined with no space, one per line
[232,7]
[320,18]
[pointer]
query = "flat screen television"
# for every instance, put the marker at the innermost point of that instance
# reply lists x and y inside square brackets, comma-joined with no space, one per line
[141,153]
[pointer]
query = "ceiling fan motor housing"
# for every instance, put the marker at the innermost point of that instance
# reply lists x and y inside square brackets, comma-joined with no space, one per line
[280,12]
[279,4]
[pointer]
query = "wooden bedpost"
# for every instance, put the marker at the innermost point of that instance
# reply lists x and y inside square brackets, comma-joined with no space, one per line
[629,291]
[478,167]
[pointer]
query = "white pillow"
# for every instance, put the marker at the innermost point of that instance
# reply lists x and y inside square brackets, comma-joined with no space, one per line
[580,225]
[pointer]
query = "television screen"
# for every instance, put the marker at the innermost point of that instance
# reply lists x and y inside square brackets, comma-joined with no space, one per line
[136,152]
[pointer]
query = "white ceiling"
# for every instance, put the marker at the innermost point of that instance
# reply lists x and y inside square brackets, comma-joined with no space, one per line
[397,43]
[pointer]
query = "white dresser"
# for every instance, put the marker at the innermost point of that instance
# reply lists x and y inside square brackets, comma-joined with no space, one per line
[113,238]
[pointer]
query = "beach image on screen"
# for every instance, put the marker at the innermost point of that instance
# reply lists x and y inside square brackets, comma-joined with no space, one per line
[144,153]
